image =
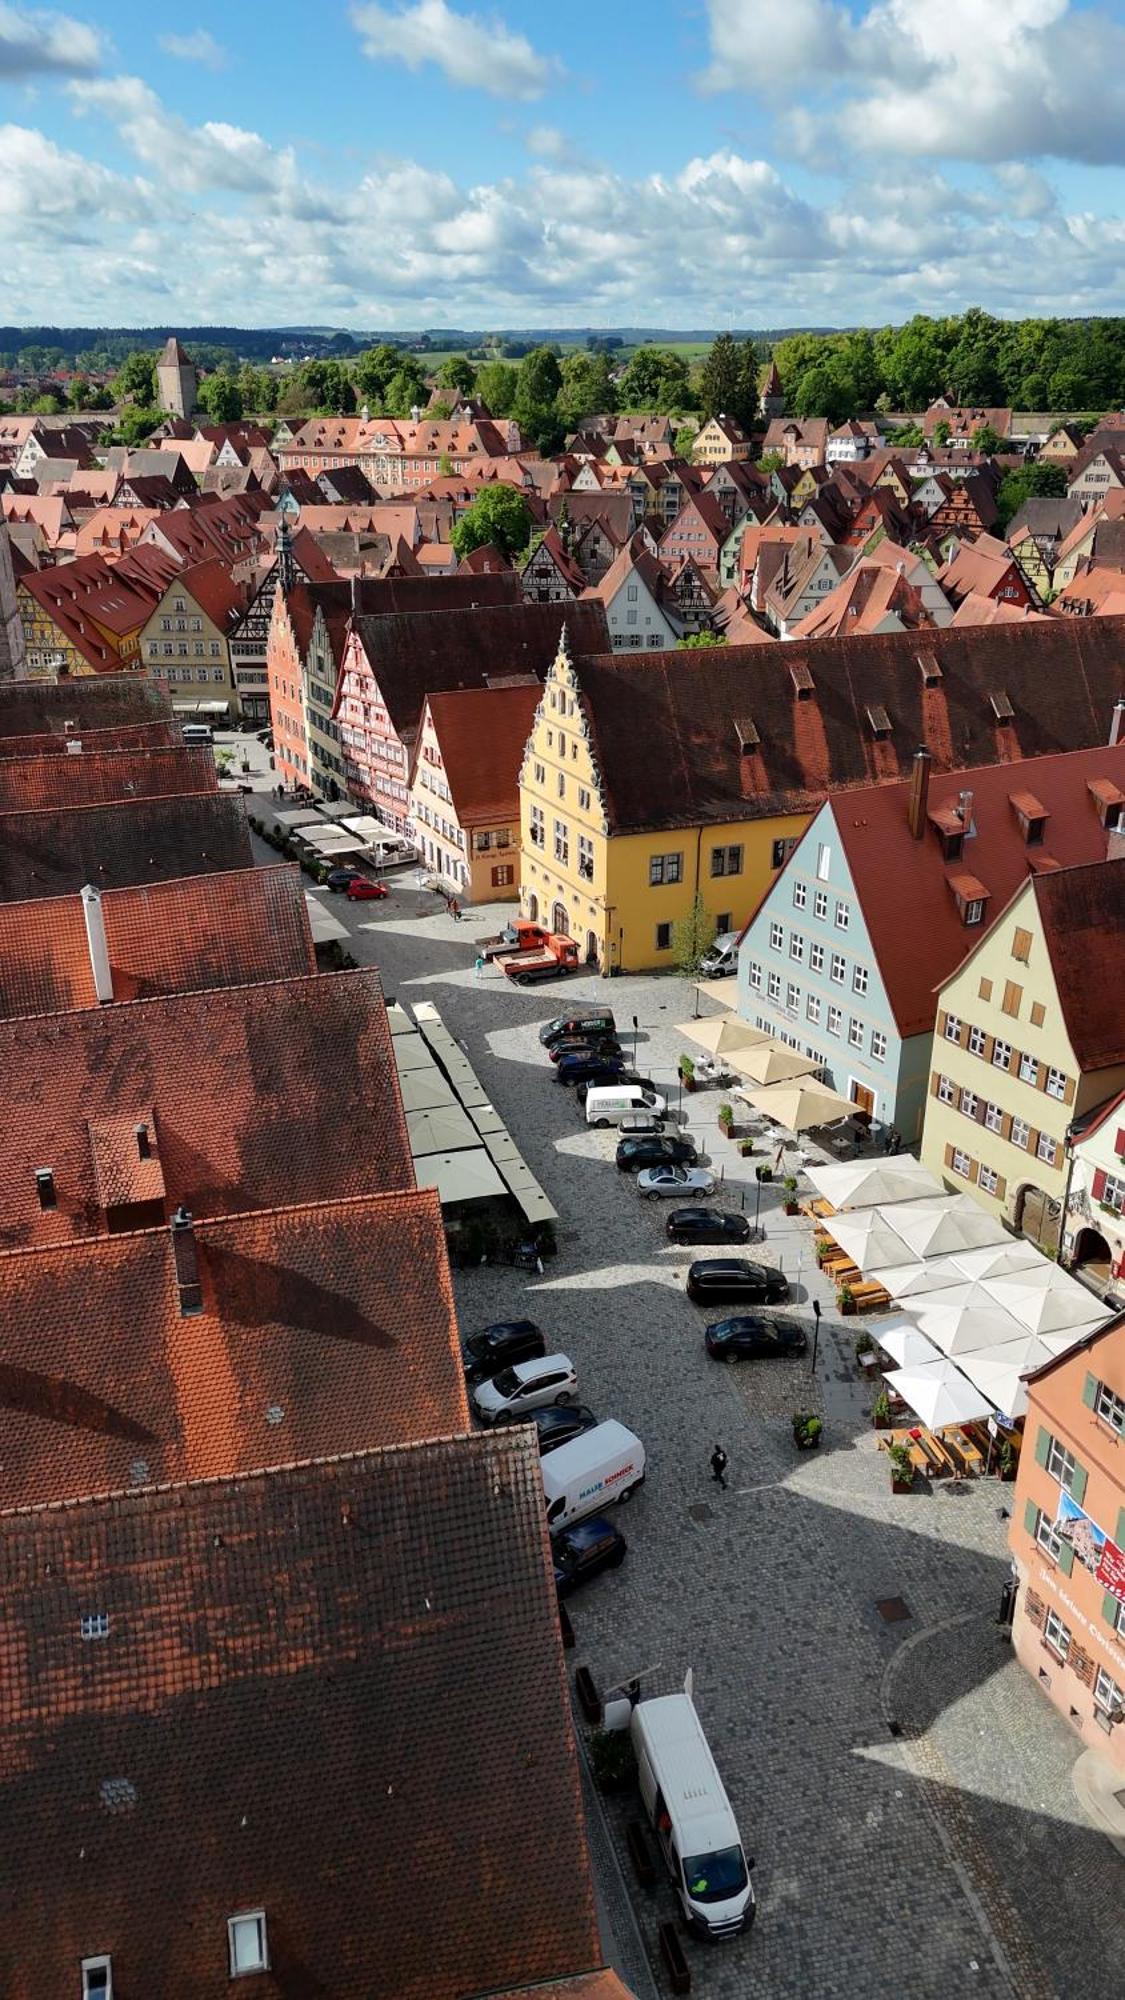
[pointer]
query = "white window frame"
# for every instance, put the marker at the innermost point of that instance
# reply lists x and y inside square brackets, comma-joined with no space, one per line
[1002,1055]
[1061,1464]
[820,905]
[777,937]
[1029,1069]
[878,1045]
[773,986]
[823,862]
[104,1988]
[859,979]
[1047,1149]
[1110,1408]
[800,895]
[94,1625]
[988,1180]
[797,947]
[838,968]
[812,1009]
[1047,1536]
[952,1028]
[946,1090]
[816,956]
[960,1163]
[969,1102]
[835,1020]
[843,916]
[1107,1695]
[792,997]
[242,1917]
[993,1117]
[1056,1084]
[977,1040]
[754,974]
[1020,1133]
[855,1033]
[1057,1634]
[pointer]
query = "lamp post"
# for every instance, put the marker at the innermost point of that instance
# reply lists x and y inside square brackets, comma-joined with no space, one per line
[816,1335]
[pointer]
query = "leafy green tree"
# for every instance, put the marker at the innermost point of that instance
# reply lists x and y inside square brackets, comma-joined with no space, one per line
[496,386]
[720,380]
[820,392]
[1036,480]
[136,379]
[684,440]
[373,369]
[942,433]
[499,514]
[771,461]
[47,406]
[457,374]
[79,391]
[691,937]
[406,390]
[538,383]
[657,379]
[587,387]
[221,398]
[257,387]
[699,641]
[135,424]
[986,439]
[914,364]
[972,372]
[440,411]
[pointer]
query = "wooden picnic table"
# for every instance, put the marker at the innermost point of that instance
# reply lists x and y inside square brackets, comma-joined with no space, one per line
[963,1445]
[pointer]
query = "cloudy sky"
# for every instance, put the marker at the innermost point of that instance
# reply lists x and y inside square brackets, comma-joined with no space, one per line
[395,163]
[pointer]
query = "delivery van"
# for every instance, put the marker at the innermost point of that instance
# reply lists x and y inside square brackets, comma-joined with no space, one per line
[197,732]
[721,958]
[696,1829]
[608,1103]
[605,1464]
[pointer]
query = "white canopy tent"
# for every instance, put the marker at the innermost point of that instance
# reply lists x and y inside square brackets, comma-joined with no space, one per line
[867,1183]
[870,1241]
[941,1228]
[962,1319]
[997,1372]
[994,1260]
[1046,1300]
[940,1394]
[906,1345]
[914,1281]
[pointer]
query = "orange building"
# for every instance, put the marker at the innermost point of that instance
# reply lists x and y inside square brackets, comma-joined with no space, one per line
[1068,1539]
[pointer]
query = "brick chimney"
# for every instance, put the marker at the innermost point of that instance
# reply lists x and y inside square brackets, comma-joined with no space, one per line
[96,942]
[186,1259]
[919,793]
[1117,721]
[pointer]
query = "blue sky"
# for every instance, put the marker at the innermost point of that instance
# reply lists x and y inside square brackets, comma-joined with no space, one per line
[396,163]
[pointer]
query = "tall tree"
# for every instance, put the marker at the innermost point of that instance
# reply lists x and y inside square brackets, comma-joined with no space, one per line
[499,514]
[457,374]
[221,398]
[720,380]
[135,381]
[496,386]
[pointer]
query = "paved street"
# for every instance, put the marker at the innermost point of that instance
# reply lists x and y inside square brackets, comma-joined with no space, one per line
[903,1787]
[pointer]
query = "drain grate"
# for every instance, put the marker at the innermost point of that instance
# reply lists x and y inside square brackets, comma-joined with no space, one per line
[892,1610]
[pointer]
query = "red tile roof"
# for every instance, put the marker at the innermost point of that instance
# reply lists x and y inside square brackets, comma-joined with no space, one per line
[482,734]
[893,872]
[55,852]
[181,936]
[29,707]
[98,777]
[333,1693]
[125,736]
[337,1315]
[1082,911]
[281,1091]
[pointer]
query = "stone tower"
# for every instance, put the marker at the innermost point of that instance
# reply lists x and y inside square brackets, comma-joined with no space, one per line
[12,663]
[176,379]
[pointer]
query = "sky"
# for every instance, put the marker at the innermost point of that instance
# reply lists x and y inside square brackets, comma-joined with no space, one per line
[680,163]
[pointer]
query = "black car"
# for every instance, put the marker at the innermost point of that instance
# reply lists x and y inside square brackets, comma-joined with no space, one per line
[580,1552]
[608,1049]
[720,1279]
[495,1347]
[338,878]
[591,1022]
[707,1225]
[652,1150]
[754,1337]
[590,1069]
[558,1425]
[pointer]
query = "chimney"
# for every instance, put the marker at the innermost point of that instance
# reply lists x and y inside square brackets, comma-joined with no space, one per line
[1117,721]
[965,810]
[919,793]
[187,1263]
[96,942]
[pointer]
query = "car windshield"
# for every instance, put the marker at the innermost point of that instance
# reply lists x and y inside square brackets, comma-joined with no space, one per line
[506,1383]
[714,1878]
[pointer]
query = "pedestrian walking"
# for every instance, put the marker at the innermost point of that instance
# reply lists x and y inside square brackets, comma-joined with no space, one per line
[455,910]
[719,1464]
[478,964]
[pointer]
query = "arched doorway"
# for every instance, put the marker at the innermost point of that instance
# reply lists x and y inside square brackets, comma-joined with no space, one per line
[560,920]
[591,948]
[1038,1217]
[1093,1257]
[533,907]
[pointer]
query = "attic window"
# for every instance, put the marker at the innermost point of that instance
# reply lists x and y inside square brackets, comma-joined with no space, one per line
[802,680]
[246,1937]
[1109,799]
[1001,707]
[1032,816]
[97,1978]
[950,829]
[748,737]
[879,719]
[94,1625]
[931,672]
[970,896]
[45,1187]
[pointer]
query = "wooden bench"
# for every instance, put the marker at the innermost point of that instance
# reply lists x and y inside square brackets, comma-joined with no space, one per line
[869,1292]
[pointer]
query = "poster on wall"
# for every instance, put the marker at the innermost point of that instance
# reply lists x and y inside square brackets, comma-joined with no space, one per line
[1092,1546]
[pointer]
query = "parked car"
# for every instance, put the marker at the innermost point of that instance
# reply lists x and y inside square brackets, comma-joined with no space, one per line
[706,1225]
[525,1386]
[589,1069]
[361,889]
[733,1278]
[607,1049]
[585,1021]
[665,1181]
[494,1347]
[754,1337]
[628,1079]
[555,1426]
[650,1150]
[580,1552]
[608,1103]
[636,1124]
[722,958]
[339,878]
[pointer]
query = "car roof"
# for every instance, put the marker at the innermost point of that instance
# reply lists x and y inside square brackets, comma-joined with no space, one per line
[595,1529]
[728,1266]
[543,1364]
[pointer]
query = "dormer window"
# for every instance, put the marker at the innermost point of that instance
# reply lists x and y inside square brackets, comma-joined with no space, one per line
[748,737]
[1001,707]
[1032,817]
[1110,801]
[879,720]
[971,898]
[929,668]
[246,1938]
[97,1978]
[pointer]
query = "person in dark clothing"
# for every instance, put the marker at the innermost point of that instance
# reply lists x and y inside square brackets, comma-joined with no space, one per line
[719,1466]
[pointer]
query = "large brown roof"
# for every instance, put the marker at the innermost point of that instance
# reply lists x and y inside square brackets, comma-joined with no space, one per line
[333,1693]
[281,1091]
[165,937]
[97,777]
[123,736]
[56,851]
[948,689]
[482,733]
[29,707]
[432,652]
[324,1327]
[1082,911]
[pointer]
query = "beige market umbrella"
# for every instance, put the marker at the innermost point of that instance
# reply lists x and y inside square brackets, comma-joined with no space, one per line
[906,1345]
[996,1260]
[865,1183]
[869,1241]
[769,1062]
[912,1281]
[941,1228]
[720,1033]
[938,1393]
[798,1105]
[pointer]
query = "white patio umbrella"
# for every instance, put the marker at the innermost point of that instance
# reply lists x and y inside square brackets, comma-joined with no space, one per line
[938,1393]
[770,1063]
[1045,1300]
[798,1105]
[993,1260]
[961,1319]
[912,1281]
[869,1241]
[907,1346]
[940,1228]
[1061,1343]
[866,1183]
[997,1372]
[720,1033]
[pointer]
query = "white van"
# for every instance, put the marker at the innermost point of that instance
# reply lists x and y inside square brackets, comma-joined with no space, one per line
[609,1103]
[697,1831]
[605,1464]
[722,957]
[197,732]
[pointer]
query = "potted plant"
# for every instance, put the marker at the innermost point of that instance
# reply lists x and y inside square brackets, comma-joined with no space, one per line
[726,1119]
[1006,1461]
[862,1344]
[687,1072]
[845,1299]
[824,1250]
[611,1759]
[790,1186]
[902,1470]
[763,1173]
[746,1148]
[881,1411]
[807,1428]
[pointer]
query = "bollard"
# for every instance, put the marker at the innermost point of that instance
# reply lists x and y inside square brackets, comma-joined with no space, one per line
[589,1699]
[675,1964]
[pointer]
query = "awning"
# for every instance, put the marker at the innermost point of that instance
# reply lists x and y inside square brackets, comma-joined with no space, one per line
[940,1228]
[332,842]
[301,816]
[866,1183]
[869,1241]
[906,1345]
[769,1062]
[997,1373]
[411,1053]
[398,1020]
[1045,1300]
[939,1394]
[799,1105]
[725,991]
[425,1090]
[720,1033]
[468,1176]
[962,1319]
[442,1128]
[324,926]
[213,708]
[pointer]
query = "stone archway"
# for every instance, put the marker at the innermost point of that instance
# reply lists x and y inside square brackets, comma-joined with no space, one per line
[1093,1257]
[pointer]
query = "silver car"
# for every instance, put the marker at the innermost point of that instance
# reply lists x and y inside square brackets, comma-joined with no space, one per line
[526,1386]
[679,1181]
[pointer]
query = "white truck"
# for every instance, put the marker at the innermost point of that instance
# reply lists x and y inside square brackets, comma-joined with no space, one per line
[696,1829]
[603,1465]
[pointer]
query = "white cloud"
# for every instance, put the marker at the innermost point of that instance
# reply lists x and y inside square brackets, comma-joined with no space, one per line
[479,54]
[967,80]
[546,142]
[191,158]
[62,194]
[198,47]
[32,42]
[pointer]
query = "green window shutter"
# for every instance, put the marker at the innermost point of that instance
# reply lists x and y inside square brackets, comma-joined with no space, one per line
[1030,1517]
[1066,1558]
[1090,1391]
[1042,1445]
[1078,1484]
[1119,1537]
[1111,1605]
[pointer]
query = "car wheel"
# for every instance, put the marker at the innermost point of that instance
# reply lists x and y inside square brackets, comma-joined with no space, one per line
[563,1397]
[503,1417]
[730,1359]
[649,1194]
[625,1494]
[616,1559]
[601,1124]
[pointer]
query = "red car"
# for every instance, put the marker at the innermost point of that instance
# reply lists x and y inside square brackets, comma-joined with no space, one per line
[362,890]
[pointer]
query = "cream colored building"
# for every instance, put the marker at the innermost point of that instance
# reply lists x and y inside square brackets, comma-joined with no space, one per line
[186,641]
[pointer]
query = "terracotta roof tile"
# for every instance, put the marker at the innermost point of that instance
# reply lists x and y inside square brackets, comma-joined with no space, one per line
[482,733]
[281,1091]
[57,851]
[97,777]
[125,736]
[1082,911]
[333,1692]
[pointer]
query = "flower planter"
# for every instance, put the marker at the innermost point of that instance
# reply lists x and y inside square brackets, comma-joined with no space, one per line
[901,1485]
[806,1443]
[846,1306]
[792,1208]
